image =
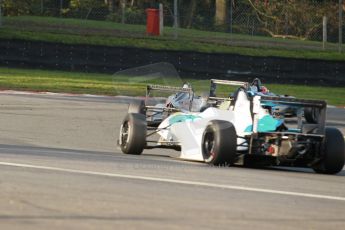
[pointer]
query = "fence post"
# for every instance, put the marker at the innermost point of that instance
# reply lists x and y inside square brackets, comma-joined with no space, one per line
[123,11]
[175,18]
[61,5]
[161,19]
[0,13]
[340,25]
[324,32]
[230,15]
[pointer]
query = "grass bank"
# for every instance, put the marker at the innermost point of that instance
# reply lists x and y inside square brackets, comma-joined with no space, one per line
[102,84]
[76,31]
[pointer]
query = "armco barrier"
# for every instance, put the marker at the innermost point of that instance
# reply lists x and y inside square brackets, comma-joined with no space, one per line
[86,58]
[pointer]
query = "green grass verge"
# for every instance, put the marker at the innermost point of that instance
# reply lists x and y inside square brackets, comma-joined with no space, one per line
[103,84]
[76,31]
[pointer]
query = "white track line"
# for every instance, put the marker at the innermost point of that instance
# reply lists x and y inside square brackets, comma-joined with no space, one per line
[184,182]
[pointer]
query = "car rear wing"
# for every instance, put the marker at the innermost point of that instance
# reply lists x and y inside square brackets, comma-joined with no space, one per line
[164,88]
[227,82]
[294,101]
[320,107]
[213,99]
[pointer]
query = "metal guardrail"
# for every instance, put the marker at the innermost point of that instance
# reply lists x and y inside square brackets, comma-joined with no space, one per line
[102,59]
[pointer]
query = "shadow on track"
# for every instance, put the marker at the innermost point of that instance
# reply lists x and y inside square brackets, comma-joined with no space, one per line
[87,155]
[289,170]
[101,156]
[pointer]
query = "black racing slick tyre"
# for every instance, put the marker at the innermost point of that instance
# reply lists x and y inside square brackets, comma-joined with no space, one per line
[311,115]
[137,107]
[333,158]
[132,138]
[219,143]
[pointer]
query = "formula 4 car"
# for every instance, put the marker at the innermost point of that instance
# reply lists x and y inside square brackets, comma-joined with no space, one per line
[256,88]
[162,98]
[241,129]
[181,99]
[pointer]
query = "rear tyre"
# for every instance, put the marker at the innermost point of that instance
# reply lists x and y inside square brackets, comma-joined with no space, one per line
[132,138]
[137,107]
[219,143]
[311,115]
[334,153]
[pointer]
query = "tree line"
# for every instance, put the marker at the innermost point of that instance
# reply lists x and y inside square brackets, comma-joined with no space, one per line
[299,19]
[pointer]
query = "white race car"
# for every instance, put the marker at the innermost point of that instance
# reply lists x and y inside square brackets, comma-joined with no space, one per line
[240,129]
[156,109]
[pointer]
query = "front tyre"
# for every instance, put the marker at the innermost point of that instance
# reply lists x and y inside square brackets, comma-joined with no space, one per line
[219,143]
[334,153]
[137,107]
[132,138]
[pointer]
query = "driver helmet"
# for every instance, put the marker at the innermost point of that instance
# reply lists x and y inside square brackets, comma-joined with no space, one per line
[264,90]
[186,85]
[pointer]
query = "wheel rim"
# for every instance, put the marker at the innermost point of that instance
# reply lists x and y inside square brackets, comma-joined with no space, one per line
[124,133]
[208,146]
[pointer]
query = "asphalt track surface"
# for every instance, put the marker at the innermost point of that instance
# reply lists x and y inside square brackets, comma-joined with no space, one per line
[61,169]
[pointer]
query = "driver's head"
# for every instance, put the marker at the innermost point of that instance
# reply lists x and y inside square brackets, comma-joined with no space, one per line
[256,82]
[263,89]
[186,85]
